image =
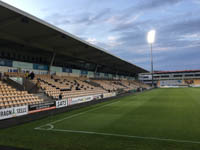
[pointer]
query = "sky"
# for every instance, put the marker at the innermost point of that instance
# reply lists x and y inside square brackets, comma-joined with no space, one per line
[121,26]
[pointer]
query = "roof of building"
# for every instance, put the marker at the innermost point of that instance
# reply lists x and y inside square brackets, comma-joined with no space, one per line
[23,28]
[178,71]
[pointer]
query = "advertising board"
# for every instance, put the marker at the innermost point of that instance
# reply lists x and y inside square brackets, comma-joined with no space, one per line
[77,100]
[61,103]
[41,107]
[13,112]
[106,95]
[98,96]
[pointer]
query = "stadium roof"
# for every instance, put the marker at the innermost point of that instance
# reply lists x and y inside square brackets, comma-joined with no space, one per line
[23,28]
[177,71]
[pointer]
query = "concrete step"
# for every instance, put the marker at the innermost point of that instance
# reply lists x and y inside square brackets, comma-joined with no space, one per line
[43,96]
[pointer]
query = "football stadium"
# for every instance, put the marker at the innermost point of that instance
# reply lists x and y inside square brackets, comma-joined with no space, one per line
[61,92]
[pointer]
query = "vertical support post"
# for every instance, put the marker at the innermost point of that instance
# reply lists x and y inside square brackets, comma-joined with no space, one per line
[96,69]
[152,67]
[52,60]
[116,73]
[129,75]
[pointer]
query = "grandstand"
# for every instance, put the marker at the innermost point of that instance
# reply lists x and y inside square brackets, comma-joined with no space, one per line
[65,67]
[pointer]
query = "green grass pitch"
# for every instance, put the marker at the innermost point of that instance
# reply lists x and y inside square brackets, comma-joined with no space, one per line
[161,119]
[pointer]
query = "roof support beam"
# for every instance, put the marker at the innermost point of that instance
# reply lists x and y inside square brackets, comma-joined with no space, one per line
[96,68]
[52,60]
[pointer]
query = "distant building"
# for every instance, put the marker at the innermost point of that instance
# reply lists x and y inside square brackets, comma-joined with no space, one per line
[172,78]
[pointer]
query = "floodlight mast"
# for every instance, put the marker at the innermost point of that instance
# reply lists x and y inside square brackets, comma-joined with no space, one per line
[150,40]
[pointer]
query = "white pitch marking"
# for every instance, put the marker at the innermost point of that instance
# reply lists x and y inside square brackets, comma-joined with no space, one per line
[123,135]
[75,115]
[46,125]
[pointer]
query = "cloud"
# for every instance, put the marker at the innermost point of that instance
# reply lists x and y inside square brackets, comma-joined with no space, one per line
[128,19]
[89,18]
[153,4]
[139,60]
[179,35]
[184,27]
[113,41]
[58,19]
[92,40]
[133,39]
[191,37]
[196,2]
[184,59]
[146,5]
[129,24]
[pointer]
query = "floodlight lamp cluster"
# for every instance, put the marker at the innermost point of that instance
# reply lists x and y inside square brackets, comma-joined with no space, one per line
[151,36]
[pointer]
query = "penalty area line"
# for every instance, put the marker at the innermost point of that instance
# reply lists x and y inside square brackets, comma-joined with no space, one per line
[120,135]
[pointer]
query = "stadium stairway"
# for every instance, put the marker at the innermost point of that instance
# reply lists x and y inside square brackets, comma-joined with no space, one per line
[43,96]
[13,84]
[119,83]
[94,84]
[26,85]
[30,87]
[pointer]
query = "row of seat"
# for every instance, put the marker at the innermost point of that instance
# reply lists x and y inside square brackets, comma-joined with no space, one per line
[10,97]
[7,104]
[76,94]
[66,86]
[110,85]
[14,74]
[54,86]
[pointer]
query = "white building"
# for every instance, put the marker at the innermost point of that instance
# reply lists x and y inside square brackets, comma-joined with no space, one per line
[172,78]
